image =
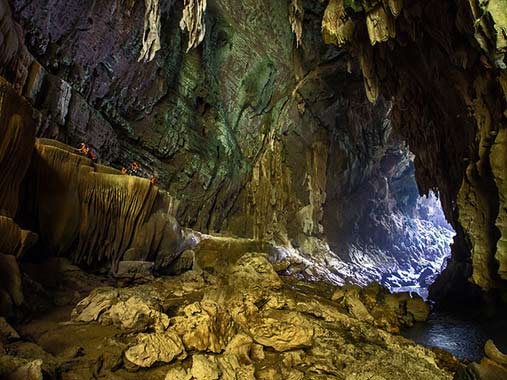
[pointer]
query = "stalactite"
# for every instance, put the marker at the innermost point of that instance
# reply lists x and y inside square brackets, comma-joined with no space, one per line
[151,35]
[380,25]
[296,14]
[337,26]
[193,22]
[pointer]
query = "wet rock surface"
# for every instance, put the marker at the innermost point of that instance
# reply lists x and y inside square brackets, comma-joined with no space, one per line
[244,322]
[492,366]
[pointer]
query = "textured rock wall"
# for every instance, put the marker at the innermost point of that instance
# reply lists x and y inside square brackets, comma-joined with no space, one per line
[17,136]
[238,128]
[443,62]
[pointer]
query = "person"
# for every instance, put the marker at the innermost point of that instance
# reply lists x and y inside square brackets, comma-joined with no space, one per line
[153,180]
[84,149]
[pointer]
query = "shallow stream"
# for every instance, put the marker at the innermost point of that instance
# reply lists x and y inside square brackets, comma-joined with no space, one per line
[462,335]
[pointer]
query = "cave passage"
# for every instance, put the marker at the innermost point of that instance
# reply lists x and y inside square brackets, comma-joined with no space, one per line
[404,250]
[399,238]
[422,247]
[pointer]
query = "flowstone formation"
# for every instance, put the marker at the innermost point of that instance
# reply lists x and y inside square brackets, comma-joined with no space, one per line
[73,207]
[444,65]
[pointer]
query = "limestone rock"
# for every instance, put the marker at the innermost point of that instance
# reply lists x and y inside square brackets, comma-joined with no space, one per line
[233,369]
[419,309]
[134,315]
[17,137]
[183,262]
[151,35]
[283,331]
[204,326]
[17,241]
[380,25]
[338,295]
[337,27]
[205,368]
[132,310]
[10,278]
[29,371]
[193,21]
[253,270]
[135,270]
[296,14]
[7,333]
[357,309]
[93,306]
[158,347]
[178,374]
[240,346]
[100,206]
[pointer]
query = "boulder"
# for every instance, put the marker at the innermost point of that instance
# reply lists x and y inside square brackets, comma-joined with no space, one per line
[182,263]
[178,374]
[135,270]
[7,333]
[135,315]
[418,308]
[205,368]
[283,331]
[92,307]
[160,347]
[232,368]
[131,309]
[253,270]
[204,326]
[29,371]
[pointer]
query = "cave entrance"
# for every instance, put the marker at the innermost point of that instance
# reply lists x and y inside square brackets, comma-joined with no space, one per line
[383,231]
[421,247]
[402,239]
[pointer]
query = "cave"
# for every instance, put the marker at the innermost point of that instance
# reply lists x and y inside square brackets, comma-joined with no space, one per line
[253,190]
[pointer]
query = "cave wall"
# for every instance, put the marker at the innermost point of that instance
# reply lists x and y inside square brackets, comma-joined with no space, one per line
[443,64]
[254,132]
[240,110]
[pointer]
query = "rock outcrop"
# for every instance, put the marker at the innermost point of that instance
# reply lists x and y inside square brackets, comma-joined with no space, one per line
[106,216]
[80,209]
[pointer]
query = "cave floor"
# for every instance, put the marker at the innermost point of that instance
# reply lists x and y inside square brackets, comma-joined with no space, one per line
[241,320]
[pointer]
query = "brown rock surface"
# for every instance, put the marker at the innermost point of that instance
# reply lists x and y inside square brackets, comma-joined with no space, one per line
[208,325]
